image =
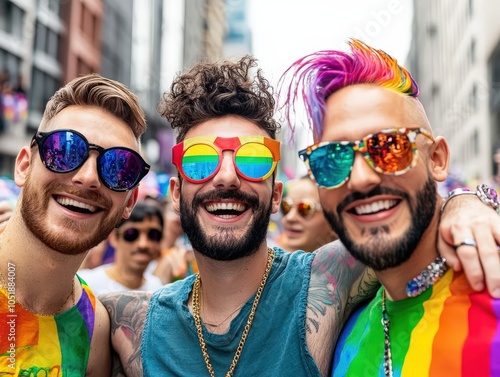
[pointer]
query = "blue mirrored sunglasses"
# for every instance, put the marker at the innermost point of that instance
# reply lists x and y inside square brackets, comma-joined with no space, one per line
[63,151]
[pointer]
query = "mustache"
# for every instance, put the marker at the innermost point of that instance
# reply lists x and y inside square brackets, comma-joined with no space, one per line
[380,190]
[84,194]
[251,200]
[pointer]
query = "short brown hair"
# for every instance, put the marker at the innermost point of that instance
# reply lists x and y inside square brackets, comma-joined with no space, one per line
[213,90]
[98,91]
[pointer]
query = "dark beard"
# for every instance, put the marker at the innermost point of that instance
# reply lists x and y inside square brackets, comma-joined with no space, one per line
[225,246]
[382,252]
[34,203]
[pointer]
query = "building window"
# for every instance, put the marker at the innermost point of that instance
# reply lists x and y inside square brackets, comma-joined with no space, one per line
[54,6]
[46,40]
[10,64]
[475,143]
[11,18]
[473,97]
[43,87]
[472,52]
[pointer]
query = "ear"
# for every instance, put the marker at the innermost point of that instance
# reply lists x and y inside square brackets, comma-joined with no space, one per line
[277,195]
[131,201]
[22,167]
[175,193]
[113,238]
[439,158]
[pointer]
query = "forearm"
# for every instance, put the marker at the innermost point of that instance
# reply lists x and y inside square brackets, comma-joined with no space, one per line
[338,283]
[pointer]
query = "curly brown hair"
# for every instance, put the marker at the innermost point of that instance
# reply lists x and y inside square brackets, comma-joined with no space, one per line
[98,91]
[212,90]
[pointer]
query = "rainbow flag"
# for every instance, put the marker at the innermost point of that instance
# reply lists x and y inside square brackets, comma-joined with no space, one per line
[37,345]
[449,330]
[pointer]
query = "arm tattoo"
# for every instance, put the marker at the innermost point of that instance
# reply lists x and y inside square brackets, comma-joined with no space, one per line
[127,312]
[337,281]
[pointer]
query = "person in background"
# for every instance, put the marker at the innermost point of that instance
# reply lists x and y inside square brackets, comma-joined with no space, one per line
[136,243]
[50,320]
[304,225]
[377,163]
[250,310]
[95,256]
[177,258]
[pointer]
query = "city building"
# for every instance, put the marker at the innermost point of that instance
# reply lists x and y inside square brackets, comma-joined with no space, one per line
[455,58]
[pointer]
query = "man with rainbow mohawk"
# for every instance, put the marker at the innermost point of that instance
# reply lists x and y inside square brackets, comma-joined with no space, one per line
[376,163]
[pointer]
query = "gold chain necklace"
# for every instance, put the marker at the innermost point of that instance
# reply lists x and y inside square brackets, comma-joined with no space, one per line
[221,322]
[72,295]
[197,319]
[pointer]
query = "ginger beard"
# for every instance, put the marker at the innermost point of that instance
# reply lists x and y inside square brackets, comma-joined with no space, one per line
[34,200]
[225,246]
[383,252]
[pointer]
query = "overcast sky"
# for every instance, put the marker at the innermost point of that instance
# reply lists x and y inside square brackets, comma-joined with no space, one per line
[285,30]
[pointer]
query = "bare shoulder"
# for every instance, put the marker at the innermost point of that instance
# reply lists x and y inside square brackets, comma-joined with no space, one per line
[338,283]
[127,313]
[100,351]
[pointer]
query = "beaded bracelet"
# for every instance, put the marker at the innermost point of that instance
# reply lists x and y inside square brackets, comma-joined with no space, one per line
[485,193]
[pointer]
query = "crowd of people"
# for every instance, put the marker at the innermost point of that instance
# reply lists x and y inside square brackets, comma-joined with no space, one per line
[375,273]
[13,100]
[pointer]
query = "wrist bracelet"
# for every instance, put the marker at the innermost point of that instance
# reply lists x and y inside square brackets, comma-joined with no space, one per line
[486,194]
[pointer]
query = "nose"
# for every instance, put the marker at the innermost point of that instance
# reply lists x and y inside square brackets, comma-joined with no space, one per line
[86,175]
[227,177]
[363,178]
[292,214]
[143,240]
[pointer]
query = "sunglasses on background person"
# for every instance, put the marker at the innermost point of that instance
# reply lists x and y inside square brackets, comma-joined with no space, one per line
[305,208]
[198,159]
[132,234]
[63,151]
[391,152]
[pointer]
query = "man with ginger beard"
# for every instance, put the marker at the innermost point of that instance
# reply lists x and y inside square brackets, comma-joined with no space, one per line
[251,310]
[67,206]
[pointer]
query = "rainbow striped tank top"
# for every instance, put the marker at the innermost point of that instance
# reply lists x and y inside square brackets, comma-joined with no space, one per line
[449,330]
[36,345]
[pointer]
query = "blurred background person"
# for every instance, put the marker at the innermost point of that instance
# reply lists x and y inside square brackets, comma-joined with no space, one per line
[137,241]
[304,226]
[177,257]
[95,256]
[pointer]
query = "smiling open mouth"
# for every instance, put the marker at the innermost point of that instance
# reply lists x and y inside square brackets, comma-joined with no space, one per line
[76,206]
[226,210]
[381,205]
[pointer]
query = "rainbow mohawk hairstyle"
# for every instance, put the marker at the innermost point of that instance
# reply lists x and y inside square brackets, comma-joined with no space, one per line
[318,75]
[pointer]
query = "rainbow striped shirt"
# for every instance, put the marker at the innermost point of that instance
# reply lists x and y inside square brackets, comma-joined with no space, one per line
[35,345]
[449,330]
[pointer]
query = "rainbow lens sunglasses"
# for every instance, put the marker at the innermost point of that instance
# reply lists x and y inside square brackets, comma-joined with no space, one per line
[63,151]
[198,159]
[305,208]
[132,234]
[391,152]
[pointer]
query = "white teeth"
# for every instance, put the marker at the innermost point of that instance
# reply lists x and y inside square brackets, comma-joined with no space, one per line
[74,203]
[225,206]
[375,207]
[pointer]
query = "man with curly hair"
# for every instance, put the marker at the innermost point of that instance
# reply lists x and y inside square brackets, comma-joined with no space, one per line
[251,310]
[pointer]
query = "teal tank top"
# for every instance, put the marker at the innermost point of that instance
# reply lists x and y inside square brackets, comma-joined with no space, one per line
[276,343]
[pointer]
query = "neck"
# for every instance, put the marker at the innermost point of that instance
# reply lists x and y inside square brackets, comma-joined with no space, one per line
[395,279]
[227,284]
[43,277]
[128,278]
